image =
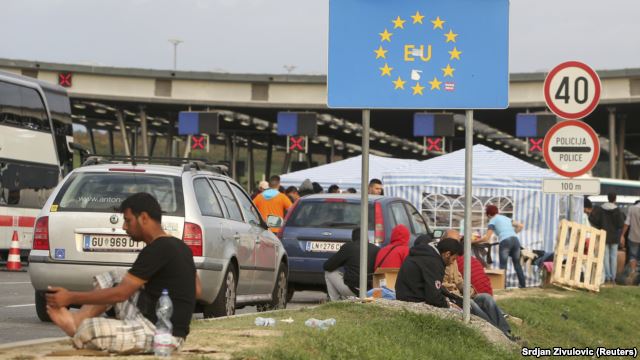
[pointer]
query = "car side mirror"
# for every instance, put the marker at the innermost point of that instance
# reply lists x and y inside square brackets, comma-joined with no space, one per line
[437,234]
[274,221]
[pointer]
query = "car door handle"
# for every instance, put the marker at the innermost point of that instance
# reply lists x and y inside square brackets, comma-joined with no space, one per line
[258,240]
[236,237]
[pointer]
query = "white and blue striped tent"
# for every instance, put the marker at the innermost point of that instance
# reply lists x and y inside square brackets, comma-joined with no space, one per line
[495,175]
[345,173]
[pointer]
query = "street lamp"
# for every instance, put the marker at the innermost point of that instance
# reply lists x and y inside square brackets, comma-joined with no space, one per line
[175,43]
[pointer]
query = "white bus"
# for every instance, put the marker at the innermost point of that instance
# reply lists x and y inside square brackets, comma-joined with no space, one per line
[35,132]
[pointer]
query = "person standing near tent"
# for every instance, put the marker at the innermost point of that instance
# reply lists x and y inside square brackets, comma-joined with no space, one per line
[608,217]
[505,229]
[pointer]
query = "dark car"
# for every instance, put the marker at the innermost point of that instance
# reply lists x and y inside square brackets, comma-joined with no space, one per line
[318,225]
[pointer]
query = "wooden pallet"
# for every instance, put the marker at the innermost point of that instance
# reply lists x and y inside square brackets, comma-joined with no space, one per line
[570,262]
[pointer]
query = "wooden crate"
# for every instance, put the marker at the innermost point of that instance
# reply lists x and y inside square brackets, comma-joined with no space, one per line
[497,278]
[385,277]
[573,260]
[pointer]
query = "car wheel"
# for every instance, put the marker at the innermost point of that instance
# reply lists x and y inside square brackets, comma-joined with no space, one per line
[225,302]
[41,306]
[280,291]
[290,291]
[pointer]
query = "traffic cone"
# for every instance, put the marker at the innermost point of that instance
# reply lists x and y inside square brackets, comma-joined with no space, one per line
[13,262]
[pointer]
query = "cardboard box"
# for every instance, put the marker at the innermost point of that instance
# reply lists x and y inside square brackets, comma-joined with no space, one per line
[496,276]
[385,277]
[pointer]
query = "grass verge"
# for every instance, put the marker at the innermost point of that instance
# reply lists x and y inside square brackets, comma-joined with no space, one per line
[577,318]
[361,332]
[552,317]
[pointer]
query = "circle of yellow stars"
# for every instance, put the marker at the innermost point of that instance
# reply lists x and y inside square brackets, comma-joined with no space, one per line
[418,18]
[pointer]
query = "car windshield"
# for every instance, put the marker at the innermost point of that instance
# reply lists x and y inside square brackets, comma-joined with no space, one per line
[101,192]
[328,215]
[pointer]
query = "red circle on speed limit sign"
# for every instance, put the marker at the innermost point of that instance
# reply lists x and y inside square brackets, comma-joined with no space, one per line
[572,90]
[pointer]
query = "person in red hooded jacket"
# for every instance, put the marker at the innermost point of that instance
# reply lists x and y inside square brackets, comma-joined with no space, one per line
[393,255]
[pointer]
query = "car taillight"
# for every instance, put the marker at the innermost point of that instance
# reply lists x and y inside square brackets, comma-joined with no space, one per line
[41,234]
[378,229]
[192,237]
[286,217]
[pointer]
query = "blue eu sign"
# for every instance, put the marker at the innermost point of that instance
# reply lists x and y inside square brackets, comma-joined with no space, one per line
[418,54]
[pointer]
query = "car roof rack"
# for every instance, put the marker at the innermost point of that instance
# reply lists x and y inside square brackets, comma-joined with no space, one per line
[187,163]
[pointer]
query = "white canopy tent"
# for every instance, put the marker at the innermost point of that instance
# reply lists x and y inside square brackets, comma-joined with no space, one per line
[436,186]
[345,173]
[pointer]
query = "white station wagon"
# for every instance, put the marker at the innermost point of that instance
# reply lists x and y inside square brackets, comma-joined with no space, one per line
[78,233]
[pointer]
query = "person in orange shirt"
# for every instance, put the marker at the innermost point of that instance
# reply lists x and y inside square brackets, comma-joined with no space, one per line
[272,201]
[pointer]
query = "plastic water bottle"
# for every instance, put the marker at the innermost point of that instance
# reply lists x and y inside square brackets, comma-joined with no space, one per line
[163,339]
[320,324]
[260,321]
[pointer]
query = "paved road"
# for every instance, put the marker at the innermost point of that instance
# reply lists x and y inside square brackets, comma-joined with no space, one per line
[19,322]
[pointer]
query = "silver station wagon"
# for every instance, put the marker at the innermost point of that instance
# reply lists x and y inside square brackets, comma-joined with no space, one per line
[78,233]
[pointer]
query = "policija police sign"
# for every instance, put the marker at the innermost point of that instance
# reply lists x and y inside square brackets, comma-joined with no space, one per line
[571,147]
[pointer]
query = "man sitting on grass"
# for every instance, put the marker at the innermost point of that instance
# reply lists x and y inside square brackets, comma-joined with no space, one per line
[343,285]
[421,280]
[164,263]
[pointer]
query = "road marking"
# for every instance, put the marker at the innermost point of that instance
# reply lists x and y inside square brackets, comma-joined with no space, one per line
[15,283]
[23,305]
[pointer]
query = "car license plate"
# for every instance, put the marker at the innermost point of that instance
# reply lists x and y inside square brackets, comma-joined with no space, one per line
[117,243]
[324,246]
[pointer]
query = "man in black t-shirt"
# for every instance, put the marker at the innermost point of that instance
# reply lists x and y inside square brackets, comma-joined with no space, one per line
[164,263]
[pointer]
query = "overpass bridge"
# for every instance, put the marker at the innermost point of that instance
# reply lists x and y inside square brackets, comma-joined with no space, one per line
[128,101]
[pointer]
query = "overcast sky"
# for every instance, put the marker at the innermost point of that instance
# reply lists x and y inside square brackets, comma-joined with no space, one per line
[261,36]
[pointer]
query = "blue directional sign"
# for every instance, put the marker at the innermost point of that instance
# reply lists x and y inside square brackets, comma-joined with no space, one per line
[534,125]
[198,122]
[426,124]
[418,54]
[297,123]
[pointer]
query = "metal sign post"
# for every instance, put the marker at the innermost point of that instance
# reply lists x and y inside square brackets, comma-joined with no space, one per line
[364,200]
[468,167]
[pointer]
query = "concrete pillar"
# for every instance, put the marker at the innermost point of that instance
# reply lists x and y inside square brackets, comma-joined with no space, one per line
[234,157]
[111,147]
[171,131]
[612,142]
[134,141]
[154,138]
[123,132]
[144,132]
[269,156]
[92,139]
[287,162]
[251,175]
[621,144]
[332,150]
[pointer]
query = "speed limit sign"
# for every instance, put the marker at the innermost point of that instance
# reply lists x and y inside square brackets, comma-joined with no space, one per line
[572,90]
